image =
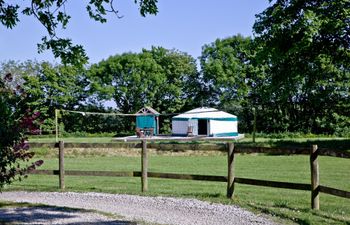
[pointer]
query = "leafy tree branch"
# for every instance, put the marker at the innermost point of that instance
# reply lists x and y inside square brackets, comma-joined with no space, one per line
[52,14]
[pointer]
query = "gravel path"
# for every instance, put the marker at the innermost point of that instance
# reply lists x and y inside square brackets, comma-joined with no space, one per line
[160,210]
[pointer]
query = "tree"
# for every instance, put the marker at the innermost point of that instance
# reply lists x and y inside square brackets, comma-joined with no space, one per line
[52,15]
[55,87]
[229,76]
[224,66]
[48,87]
[180,75]
[156,78]
[306,45]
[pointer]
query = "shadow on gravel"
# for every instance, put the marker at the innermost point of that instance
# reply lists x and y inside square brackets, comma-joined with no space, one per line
[53,215]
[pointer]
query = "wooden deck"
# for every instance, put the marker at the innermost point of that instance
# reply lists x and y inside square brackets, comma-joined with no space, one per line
[177,138]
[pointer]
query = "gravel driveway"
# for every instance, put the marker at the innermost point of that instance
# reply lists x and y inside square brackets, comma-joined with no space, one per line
[159,210]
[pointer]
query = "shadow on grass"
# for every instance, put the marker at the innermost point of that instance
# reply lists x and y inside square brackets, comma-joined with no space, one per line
[22,213]
[271,211]
[329,217]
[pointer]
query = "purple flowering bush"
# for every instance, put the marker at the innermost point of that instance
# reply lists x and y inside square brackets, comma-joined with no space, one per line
[15,156]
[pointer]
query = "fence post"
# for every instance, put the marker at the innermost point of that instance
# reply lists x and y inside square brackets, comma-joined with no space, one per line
[231,170]
[144,166]
[56,124]
[315,178]
[61,164]
[254,124]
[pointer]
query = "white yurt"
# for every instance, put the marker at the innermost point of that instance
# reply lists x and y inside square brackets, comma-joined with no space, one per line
[205,121]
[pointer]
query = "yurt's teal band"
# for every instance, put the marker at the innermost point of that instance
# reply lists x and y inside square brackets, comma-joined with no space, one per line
[180,135]
[229,134]
[196,118]
[225,134]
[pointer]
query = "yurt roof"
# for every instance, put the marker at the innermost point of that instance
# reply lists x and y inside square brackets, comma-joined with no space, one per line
[204,113]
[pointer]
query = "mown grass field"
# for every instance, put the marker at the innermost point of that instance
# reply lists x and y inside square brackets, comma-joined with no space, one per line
[290,205]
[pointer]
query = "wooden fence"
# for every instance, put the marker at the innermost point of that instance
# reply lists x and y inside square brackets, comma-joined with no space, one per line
[230,179]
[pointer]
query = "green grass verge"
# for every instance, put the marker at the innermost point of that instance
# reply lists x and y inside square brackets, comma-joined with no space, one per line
[290,205]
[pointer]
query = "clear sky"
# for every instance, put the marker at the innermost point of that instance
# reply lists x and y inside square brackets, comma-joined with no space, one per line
[185,25]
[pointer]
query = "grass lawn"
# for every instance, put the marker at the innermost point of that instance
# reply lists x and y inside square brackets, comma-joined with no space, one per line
[290,205]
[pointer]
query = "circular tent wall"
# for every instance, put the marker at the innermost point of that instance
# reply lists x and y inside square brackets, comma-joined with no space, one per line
[205,121]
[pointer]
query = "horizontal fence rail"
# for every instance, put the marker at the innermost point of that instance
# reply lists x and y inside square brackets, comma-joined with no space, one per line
[276,184]
[230,179]
[265,183]
[133,174]
[204,147]
[333,191]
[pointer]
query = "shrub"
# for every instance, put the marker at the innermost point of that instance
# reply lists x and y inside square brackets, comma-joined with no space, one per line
[14,148]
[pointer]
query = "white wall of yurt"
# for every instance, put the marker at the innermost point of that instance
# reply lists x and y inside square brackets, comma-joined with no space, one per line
[223,128]
[218,123]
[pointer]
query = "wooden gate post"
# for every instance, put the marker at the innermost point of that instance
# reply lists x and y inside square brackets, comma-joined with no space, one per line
[61,164]
[254,124]
[315,178]
[144,167]
[230,170]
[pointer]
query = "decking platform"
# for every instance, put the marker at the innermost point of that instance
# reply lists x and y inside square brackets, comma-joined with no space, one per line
[177,138]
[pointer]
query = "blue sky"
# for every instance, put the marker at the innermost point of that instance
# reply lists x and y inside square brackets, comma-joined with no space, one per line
[185,25]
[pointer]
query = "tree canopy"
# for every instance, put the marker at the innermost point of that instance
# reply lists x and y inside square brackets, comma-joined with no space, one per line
[306,45]
[224,66]
[227,72]
[52,15]
[156,77]
[160,78]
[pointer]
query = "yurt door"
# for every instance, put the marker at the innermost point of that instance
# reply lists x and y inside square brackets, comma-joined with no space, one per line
[202,127]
